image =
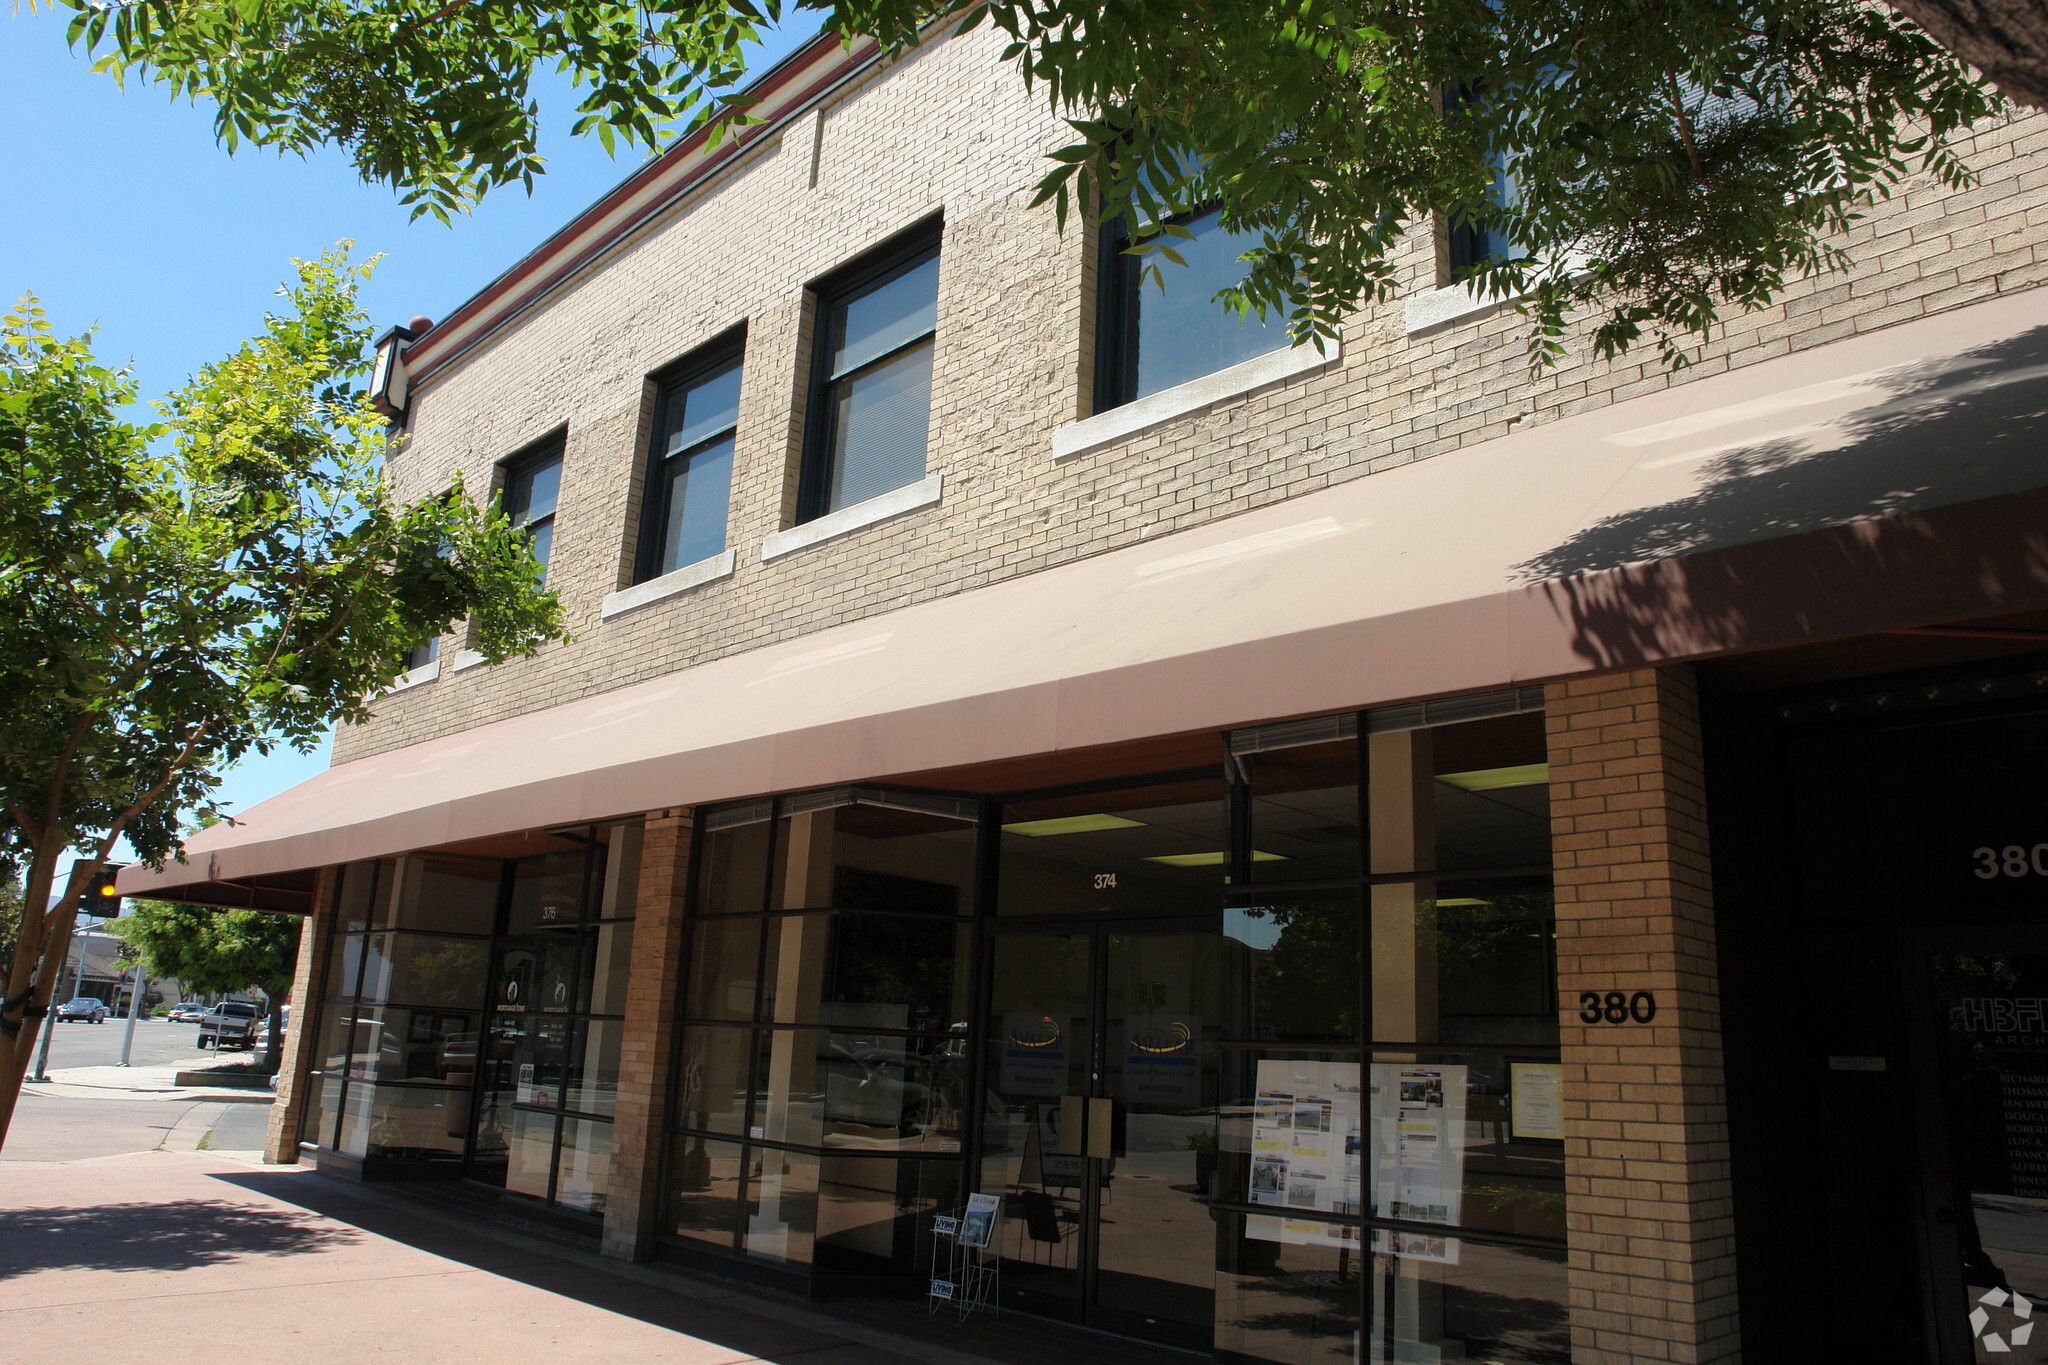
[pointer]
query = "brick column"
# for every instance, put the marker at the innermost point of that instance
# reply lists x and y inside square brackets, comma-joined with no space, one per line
[296,1086]
[1650,1221]
[633,1196]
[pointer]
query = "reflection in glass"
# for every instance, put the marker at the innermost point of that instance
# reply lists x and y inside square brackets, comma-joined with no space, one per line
[593,1083]
[1297,961]
[425,969]
[586,1159]
[1994,1072]
[1291,1303]
[530,1153]
[782,1205]
[725,959]
[704,1189]
[1466,1299]
[353,905]
[1304,809]
[713,1092]
[414,1122]
[873,1212]
[546,892]
[610,965]
[866,971]
[732,868]
[1162,848]
[323,1113]
[868,856]
[446,895]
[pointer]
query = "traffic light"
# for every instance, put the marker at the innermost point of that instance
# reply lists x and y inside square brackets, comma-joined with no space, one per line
[101,898]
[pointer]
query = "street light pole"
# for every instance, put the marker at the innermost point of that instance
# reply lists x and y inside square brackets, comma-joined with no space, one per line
[134,1008]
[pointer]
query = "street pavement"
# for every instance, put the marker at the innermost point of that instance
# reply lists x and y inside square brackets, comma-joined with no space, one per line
[155,1041]
[137,1221]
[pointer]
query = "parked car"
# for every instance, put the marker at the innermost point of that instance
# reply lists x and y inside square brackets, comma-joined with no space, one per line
[262,1039]
[232,1023]
[85,1007]
[187,1012]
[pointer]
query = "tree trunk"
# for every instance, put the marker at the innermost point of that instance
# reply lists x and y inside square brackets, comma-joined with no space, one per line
[2007,40]
[45,942]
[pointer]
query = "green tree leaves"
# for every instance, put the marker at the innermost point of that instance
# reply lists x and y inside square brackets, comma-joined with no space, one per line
[1674,157]
[176,595]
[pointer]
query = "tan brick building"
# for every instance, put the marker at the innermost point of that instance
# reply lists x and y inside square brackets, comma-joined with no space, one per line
[1366,856]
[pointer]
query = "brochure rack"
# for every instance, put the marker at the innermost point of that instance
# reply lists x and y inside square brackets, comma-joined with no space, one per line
[966,1263]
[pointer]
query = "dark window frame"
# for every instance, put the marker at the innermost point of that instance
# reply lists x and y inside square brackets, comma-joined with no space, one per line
[550,449]
[896,257]
[1119,277]
[673,383]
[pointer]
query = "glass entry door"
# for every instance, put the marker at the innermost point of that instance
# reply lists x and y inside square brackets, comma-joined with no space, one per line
[1983,1048]
[1101,1130]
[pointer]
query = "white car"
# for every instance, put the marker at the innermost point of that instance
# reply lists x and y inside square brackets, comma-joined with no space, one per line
[186,1012]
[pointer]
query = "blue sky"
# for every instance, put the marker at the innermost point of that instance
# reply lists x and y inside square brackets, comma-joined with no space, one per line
[128,217]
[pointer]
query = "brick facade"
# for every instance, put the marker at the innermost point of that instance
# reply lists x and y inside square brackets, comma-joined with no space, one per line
[1650,1221]
[296,1085]
[950,129]
[646,1049]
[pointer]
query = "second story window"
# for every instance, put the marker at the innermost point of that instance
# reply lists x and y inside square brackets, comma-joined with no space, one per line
[1153,338]
[689,478]
[872,400]
[533,483]
[422,654]
[1475,243]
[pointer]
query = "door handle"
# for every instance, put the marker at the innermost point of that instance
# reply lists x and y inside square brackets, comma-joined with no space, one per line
[1073,1126]
[1101,1128]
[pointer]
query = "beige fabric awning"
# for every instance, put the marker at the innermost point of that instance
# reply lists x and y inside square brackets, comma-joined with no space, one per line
[1857,486]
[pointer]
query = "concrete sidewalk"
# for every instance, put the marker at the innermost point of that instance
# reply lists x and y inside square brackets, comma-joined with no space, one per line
[160,1079]
[168,1254]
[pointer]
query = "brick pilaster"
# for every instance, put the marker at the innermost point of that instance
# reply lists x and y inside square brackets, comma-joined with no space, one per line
[295,1083]
[633,1197]
[1650,1221]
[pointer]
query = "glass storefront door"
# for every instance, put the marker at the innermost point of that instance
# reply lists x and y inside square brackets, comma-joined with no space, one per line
[1101,1136]
[1983,1046]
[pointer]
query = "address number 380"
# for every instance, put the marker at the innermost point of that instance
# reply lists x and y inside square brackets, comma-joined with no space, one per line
[2014,860]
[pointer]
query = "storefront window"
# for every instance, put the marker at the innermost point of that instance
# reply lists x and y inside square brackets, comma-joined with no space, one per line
[550,1082]
[443,1039]
[850,957]
[1164,847]
[397,1028]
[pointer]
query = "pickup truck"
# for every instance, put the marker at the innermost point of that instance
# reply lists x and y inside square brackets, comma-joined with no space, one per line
[232,1023]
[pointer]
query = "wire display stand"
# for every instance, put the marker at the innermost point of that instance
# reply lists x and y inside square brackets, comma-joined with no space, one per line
[967,1267]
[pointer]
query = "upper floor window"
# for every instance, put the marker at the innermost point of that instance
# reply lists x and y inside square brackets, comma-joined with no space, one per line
[689,476]
[1158,334]
[422,654]
[872,399]
[1480,240]
[533,483]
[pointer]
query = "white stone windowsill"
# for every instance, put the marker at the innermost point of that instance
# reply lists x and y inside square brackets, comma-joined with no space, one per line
[669,584]
[414,677]
[1434,308]
[1092,433]
[1430,309]
[910,497]
[464,659]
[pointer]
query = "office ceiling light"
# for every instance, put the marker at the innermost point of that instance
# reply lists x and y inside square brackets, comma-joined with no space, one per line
[1069,824]
[1444,901]
[1212,859]
[1494,779]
